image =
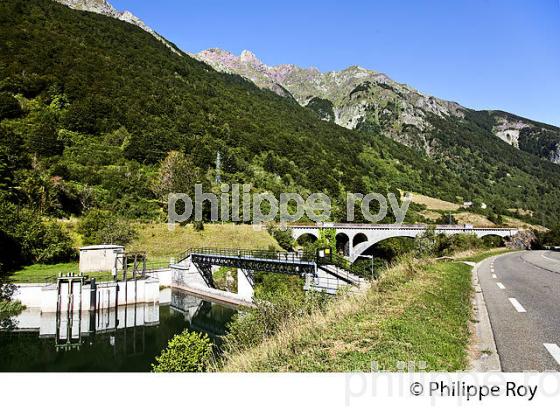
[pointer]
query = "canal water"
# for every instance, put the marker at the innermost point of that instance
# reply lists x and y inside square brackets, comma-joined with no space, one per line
[126,339]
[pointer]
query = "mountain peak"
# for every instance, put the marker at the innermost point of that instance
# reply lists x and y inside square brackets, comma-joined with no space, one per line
[94,6]
[248,57]
[105,8]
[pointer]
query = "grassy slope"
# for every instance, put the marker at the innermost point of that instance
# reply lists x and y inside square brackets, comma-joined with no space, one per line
[434,203]
[160,245]
[159,242]
[471,256]
[435,208]
[416,312]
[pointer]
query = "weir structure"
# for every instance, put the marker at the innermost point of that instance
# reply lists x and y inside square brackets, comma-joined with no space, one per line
[80,299]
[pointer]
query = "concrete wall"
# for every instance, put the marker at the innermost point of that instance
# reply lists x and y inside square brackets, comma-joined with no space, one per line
[165,276]
[187,275]
[244,285]
[99,258]
[44,297]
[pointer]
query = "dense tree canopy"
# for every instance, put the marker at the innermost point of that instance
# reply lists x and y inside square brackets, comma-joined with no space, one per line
[91,107]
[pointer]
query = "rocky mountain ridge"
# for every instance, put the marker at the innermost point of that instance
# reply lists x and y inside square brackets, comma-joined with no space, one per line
[105,8]
[358,98]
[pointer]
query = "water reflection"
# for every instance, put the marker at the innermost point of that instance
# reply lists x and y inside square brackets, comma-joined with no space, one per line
[126,338]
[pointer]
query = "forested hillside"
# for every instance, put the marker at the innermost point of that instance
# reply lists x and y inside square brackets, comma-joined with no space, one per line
[90,106]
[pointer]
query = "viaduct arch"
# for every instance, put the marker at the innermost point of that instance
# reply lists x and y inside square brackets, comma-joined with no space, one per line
[362,236]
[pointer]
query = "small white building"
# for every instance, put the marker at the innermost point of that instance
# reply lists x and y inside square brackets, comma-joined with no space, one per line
[99,258]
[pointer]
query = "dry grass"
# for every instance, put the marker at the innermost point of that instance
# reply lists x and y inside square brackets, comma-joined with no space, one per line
[477,255]
[474,219]
[517,223]
[520,211]
[431,215]
[159,242]
[434,204]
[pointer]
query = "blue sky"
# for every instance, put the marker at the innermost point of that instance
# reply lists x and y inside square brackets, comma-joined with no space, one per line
[502,54]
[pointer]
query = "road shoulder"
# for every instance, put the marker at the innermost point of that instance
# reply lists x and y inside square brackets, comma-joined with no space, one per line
[483,353]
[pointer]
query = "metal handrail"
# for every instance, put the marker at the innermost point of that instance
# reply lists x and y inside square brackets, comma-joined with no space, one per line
[346,266]
[279,256]
[341,266]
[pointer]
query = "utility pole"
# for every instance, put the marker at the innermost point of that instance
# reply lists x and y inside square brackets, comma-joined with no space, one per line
[218,168]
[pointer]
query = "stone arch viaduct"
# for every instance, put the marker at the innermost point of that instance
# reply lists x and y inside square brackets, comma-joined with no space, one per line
[361,237]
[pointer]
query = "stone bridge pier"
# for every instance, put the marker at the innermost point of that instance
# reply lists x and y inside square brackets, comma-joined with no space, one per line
[358,238]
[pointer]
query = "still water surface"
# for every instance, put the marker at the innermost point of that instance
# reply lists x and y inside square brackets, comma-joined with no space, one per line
[126,339]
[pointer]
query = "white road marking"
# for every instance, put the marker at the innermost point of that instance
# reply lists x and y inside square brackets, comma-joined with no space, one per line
[554,351]
[494,277]
[492,270]
[500,285]
[550,259]
[517,305]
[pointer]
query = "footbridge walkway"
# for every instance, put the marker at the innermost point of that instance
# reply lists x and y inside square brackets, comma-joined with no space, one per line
[322,270]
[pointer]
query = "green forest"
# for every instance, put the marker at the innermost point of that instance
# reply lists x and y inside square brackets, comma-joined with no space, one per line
[93,110]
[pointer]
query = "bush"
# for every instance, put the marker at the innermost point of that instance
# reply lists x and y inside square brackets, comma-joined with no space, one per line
[186,352]
[26,238]
[447,219]
[492,241]
[278,298]
[9,106]
[448,245]
[548,238]
[425,244]
[430,244]
[283,237]
[103,227]
[51,244]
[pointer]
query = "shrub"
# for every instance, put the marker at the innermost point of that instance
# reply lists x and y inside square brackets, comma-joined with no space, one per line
[100,227]
[447,219]
[447,245]
[52,244]
[430,244]
[186,352]
[9,106]
[283,237]
[425,243]
[26,238]
[278,298]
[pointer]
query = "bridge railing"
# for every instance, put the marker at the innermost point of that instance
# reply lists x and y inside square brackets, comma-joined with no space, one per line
[346,265]
[342,266]
[279,256]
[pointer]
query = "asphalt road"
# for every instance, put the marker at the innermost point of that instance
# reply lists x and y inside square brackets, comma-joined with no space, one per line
[522,295]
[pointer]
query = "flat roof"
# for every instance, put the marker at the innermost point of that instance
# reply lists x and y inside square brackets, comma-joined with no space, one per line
[99,247]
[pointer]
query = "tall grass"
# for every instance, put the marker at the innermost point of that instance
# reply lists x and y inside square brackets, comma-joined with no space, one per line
[418,310]
[159,242]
